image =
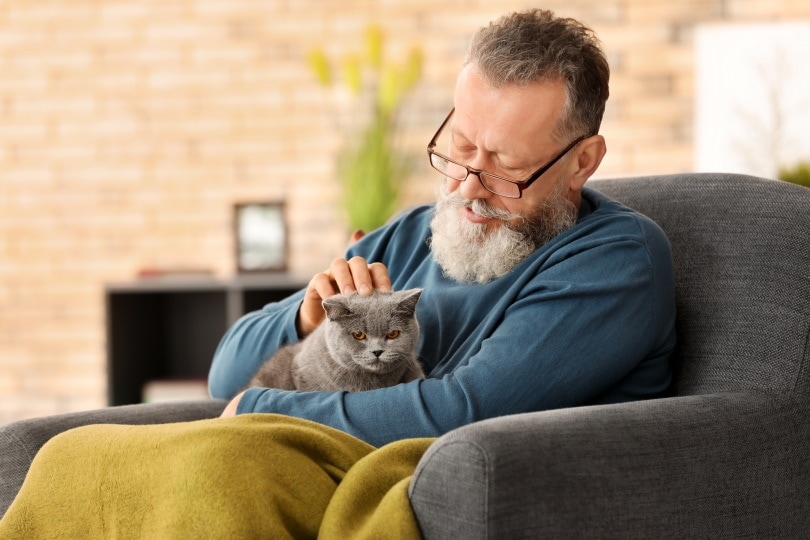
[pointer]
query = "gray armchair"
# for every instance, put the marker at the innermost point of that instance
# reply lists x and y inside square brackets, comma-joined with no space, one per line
[726,457]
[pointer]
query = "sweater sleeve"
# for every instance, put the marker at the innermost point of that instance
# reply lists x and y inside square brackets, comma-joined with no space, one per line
[596,319]
[249,342]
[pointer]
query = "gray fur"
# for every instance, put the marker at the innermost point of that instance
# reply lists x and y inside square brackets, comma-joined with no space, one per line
[336,357]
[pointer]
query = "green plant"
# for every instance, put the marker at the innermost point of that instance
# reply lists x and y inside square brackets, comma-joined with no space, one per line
[370,167]
[371,174]
[798,174]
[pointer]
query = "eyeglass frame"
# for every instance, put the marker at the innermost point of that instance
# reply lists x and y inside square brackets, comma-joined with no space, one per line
[521,184]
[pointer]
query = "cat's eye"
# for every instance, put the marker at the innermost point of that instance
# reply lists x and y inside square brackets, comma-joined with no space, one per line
[359,336]
[393,334]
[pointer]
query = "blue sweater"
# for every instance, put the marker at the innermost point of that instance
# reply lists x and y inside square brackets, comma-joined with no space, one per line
[588,318]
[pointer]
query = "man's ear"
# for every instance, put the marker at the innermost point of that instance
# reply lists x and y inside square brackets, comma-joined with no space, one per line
[589,154]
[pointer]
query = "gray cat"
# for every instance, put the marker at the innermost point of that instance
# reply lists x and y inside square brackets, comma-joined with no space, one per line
[366,342]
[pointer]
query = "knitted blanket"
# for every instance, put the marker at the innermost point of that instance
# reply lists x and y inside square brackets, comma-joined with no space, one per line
[252,476]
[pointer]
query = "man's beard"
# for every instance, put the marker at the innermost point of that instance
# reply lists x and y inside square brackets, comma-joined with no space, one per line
[478,253]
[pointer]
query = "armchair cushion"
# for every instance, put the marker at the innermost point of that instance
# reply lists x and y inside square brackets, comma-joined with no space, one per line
[740,248]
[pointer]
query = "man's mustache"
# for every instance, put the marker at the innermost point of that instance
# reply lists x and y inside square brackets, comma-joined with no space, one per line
[480,207]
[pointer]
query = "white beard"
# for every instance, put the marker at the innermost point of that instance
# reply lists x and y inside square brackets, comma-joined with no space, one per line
[476,253]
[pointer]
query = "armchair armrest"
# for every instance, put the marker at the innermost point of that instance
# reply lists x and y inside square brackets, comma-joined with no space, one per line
[20,441]
[717,465]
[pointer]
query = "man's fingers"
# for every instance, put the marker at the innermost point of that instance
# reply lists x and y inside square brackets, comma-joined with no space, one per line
[356,275]
[311,312]
[369,277]
[380,279]
[323,285]
[341,275]
[346,277]
[361,276]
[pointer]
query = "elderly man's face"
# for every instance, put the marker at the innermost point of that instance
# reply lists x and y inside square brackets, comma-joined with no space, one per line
[507,131]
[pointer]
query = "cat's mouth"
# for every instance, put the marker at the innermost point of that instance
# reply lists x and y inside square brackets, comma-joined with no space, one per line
[375,365]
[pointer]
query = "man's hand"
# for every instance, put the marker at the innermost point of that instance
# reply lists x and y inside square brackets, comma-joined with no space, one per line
[343,277]
[230,410]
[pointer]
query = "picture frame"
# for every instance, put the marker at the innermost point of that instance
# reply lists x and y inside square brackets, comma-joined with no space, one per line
[260,236]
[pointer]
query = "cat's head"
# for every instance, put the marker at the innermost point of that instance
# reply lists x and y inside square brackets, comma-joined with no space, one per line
[376,333]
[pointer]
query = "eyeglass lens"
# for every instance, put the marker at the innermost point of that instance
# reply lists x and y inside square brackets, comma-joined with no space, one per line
[460,173]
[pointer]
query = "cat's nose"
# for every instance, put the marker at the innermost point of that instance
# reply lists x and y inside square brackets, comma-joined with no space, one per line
[377,353]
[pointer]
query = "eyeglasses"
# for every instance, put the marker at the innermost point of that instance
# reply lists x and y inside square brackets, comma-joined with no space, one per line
[504,187]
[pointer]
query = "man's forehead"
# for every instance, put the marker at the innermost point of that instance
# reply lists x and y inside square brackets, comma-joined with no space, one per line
[524,113]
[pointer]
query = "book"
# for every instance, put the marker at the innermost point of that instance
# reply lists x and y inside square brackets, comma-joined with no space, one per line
[158,391]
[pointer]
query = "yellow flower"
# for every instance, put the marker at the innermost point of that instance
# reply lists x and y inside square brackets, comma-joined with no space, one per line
[390,89]
[352,73]
[413,71]
[374,45]
[320,66]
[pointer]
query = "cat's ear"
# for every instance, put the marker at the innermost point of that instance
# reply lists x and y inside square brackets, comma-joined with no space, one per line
[408,300]
[336,307]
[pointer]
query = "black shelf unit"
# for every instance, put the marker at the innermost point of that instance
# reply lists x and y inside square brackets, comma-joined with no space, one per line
[167,328]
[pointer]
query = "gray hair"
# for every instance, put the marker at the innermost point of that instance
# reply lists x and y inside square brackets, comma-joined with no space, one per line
[533,46]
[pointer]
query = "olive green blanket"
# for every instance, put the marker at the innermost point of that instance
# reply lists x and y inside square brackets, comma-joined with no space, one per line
[252,476]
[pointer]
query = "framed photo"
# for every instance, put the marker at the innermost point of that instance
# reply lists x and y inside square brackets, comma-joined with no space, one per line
[261,237]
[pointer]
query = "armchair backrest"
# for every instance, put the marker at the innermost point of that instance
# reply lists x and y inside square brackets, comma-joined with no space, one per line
[741,250]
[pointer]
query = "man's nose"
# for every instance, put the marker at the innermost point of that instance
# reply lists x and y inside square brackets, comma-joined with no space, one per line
[472,188]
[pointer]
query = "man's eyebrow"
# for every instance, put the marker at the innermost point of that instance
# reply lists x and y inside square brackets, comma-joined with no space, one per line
[456,136]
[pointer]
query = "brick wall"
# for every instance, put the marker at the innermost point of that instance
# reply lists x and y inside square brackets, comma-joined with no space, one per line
[128,128]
